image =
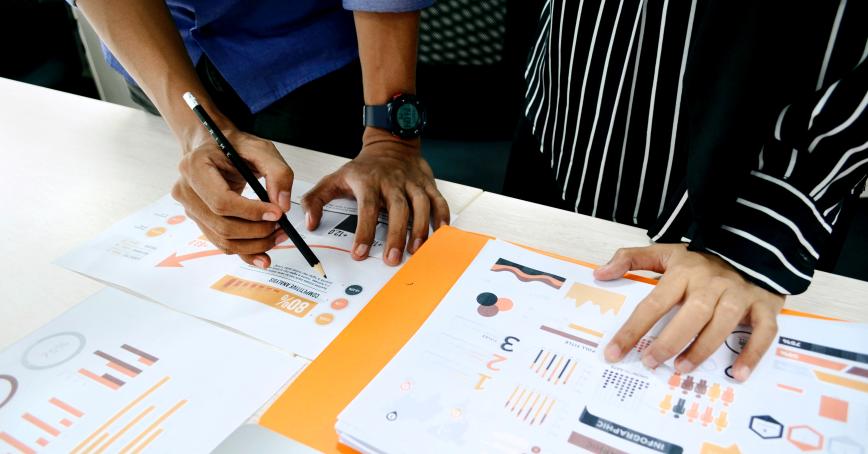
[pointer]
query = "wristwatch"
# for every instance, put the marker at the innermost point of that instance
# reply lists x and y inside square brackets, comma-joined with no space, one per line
[403,116]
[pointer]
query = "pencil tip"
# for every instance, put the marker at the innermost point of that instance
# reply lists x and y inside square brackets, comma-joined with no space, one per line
[319,269]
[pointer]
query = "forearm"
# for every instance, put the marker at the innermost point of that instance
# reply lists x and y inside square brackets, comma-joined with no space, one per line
[142,36]
[387,50]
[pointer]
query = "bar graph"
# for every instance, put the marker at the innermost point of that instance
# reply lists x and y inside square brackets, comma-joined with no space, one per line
[553,367]
[110,381]
[529,406]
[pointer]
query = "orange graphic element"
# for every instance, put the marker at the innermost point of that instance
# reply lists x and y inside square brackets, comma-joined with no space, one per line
[525,277]
[124,430]
[693,413]
[675,380]
[119,414]
[42,442]
[271,296]
[66,407]
[728,396]
[156,231]
[504,304]
[16,444]
[666,404]
[714,392]
[65,422]
[585,330]
[806,438]
[711,448]
[481,382]
[809,359]
[98,379]
[721,422]
[324,319]
[174,220]
[41,424]
[842,381]
[150,428]
[605,300]
[707,416]
[791,388]
[340,303]
[833,408]
[176,261]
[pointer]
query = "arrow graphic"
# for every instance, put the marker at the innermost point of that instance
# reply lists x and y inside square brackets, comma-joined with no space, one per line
[176,261]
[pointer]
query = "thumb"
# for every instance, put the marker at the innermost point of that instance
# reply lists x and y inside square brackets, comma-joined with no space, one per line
[650,258]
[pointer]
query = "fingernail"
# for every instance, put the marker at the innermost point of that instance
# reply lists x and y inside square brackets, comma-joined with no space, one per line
[649,362]
[417,244]
[269,216]
[684,366]
[442,223]
[612,353]
[280,238]
[742,373]
[362,250]
[308,220]
[284,199]
[259,263]
[394,256]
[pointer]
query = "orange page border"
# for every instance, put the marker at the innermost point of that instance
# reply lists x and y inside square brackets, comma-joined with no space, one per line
[307,411]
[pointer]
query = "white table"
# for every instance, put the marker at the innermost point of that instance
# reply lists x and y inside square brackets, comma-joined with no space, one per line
[73,166]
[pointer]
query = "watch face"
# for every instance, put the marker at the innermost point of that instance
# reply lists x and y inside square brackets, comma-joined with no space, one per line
[408,117]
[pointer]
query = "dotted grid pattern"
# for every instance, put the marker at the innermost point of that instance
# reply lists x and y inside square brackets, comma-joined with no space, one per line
[462,32]
[624,386]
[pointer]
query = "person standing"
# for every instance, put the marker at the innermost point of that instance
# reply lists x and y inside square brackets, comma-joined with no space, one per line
[734,131]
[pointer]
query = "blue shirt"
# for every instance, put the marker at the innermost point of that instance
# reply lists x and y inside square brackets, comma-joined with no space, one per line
[267,48]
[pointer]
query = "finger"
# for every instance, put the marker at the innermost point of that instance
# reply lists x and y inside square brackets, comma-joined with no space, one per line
[210,185]
[268,162]
[666,294]
[258,260]
[699,306]
[421,214]
[652,258]
[366,227]
[396,238]
[765,329]
[313,202]
[440,215]
[244,247]
[726,317]
[226,227]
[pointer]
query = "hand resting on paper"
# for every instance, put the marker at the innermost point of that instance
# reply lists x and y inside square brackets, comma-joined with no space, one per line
[389,172]
[714,299]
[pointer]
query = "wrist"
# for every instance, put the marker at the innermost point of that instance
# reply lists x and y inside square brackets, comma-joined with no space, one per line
[190,131]
[373,136]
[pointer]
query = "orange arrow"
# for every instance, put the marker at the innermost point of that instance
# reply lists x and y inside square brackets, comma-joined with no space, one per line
[175,260]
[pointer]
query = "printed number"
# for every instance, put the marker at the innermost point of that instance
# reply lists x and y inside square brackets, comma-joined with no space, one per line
[497,359]
[482,379]
[508,343]
[296,305]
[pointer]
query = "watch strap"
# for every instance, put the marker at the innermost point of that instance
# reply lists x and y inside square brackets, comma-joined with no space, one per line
[377,116]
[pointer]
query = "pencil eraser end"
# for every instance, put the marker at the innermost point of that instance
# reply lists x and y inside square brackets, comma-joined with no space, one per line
[191,100]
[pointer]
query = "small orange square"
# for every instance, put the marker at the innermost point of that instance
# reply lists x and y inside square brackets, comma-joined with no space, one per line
[833,408]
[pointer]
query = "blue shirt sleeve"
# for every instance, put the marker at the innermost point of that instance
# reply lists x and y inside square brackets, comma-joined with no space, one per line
[386,6]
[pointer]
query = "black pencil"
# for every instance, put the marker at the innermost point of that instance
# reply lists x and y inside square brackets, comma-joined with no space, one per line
[251,179]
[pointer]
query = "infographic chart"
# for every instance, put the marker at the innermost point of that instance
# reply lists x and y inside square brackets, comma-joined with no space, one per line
[159,253]
[84,386]
[529,377]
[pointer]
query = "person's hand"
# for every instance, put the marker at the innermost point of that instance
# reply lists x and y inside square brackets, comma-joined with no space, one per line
[715,298]
[210,188]
[391,173]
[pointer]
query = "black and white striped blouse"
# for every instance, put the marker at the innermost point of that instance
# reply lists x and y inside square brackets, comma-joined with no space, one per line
[737,126]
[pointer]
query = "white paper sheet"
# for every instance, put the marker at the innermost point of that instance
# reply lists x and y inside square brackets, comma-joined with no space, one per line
[119,374]
[160,254]
[511,361]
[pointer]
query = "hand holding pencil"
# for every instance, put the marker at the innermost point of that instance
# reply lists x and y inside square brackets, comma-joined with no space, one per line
[213,175]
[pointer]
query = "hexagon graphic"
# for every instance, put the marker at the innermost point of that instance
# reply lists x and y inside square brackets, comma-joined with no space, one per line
[766,427]
[805,438]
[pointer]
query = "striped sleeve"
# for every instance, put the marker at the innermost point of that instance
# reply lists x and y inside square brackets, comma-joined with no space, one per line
[815,157]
